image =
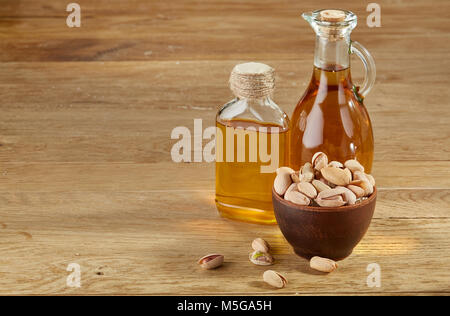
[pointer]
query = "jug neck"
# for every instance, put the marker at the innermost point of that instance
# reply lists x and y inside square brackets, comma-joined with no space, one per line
[332,54]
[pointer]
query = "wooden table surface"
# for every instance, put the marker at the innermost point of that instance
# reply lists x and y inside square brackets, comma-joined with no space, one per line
[86,174]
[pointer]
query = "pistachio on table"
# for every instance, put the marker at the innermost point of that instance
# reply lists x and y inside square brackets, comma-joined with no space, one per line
[261,255]
[261,258]
[211,261]
[261,245]
[274,279]
[323,264]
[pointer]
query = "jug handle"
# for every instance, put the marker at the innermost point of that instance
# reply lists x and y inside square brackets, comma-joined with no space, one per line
[369,67]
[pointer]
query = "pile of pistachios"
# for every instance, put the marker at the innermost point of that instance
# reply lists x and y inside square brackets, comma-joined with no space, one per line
[323,183]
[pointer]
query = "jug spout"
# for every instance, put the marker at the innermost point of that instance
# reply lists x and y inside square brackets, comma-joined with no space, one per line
[333,44]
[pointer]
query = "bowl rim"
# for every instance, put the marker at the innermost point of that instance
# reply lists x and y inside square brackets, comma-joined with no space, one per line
[325,209]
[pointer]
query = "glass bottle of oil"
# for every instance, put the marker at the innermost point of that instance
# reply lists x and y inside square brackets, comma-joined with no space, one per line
[250,145]
[331,116]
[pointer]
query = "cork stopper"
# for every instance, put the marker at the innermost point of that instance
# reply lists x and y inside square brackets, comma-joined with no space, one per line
[332,15]
[252,80]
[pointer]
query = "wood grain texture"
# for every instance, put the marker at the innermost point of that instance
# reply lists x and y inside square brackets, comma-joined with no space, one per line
[134,239]
[85,169]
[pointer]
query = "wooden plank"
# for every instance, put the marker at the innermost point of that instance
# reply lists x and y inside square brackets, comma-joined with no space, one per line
[23,207]
[107,112]
[186,30]
[139,252]
[85,169]
[110,177]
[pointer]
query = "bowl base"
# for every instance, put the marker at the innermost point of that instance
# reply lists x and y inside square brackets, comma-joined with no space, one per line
[308,255]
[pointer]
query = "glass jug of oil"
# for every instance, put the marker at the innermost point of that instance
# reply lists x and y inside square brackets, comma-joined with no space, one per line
[331,116]
[251,135]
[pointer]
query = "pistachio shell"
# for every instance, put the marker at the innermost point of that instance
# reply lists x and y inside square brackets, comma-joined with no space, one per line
[261,258]
[337,202]
[330,198]
[307,189]
[349,173]
[292,187]
[358,191]
[347,195]
[320,186]
[323,264]
[297,198]
[336,176]
[282,180]
[274,279]
[335,164]
[261,245]
[211,261]
[368,188]
[365,184]
[285,170]
[371,179]
[306,173]
[319,160]
[295,177]
[354,165]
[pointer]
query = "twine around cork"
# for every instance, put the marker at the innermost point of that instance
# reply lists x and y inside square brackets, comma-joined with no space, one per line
[252,80]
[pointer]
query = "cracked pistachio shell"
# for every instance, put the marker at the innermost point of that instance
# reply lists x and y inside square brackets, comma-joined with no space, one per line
[335,164]
[307,189]
[349,173]
[336,176]
[319,160]
[261,245]
[347,195]
[306,173]
[274,279]
[320,185]
[282,180]
[292,187]
[365,184]
[371,179]
[323,264]
[354,165]
[211,261]
[330,198]
[358,191]
[297,198]
[283,170]
[335,201]
[295,177]
[261,258]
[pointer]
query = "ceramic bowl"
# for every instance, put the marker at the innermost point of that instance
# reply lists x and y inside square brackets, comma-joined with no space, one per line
[329,232]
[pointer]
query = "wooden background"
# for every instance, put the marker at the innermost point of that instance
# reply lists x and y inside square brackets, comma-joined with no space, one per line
[85,169]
